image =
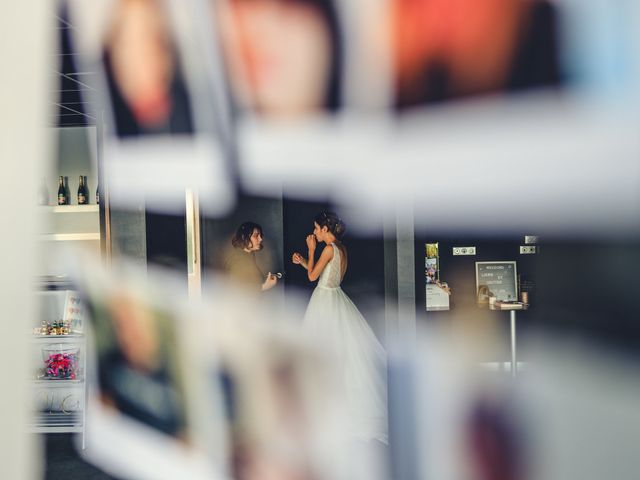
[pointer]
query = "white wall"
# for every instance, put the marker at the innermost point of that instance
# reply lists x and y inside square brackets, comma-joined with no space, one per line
[26,36]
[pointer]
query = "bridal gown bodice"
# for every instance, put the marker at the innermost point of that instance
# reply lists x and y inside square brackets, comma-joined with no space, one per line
[330,276]
[334,322]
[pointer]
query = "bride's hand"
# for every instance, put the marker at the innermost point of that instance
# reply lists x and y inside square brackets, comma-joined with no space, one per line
[311,242]
[297,258]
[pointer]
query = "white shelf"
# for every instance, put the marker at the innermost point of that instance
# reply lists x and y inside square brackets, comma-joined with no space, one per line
[72,208]
[71,236]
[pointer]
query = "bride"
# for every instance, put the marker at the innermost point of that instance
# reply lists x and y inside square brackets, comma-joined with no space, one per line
[333,318]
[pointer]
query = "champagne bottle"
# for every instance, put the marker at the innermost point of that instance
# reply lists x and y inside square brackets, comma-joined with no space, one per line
[63,199]
[67,190]
[86,189]
[43,193]
[83,194]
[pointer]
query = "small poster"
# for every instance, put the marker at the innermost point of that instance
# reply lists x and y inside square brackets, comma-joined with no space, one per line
[437,293]
[431,269]
[431,262]
[437,297]
[73,311]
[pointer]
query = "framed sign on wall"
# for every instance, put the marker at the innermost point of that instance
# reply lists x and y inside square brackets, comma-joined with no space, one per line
[497,279]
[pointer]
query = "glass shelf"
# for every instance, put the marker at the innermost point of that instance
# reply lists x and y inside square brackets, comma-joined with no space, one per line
[58,382]
[72,337]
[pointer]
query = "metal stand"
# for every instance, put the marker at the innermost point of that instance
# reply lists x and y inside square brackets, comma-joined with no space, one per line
[514,362]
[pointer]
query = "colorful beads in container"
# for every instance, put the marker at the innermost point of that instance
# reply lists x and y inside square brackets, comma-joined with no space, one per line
[62,366]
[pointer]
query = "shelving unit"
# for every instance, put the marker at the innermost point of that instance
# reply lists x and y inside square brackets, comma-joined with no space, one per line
[64,231]
[64,227]
[58,423]
[60,402]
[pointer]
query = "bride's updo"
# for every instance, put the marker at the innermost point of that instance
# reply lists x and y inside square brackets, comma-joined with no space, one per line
[333,223]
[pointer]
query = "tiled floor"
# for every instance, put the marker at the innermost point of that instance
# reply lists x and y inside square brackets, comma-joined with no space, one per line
[64,463]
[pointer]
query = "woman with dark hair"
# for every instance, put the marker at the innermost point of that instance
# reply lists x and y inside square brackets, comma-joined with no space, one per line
[248,236]
[240,263]
[333,318]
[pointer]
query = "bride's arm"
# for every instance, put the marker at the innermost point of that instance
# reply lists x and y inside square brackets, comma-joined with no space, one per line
[299,260]
[315,269]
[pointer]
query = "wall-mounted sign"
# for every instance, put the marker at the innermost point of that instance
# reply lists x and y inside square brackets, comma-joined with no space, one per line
[437,297]
[497,279]
[437,293]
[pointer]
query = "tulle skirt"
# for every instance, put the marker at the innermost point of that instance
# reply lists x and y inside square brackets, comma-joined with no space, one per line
[333,319]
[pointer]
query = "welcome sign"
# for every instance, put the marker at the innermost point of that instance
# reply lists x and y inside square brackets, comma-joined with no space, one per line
[498,279]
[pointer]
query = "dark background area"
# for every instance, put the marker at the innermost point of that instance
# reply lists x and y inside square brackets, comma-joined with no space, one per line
[63,462]
[167,241]
[590,291]
[73,106]
[459,271]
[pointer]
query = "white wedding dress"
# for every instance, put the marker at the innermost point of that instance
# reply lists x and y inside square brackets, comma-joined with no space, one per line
[332,317]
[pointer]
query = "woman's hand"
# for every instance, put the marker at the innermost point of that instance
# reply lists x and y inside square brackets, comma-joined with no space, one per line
[311,243]
[299,260]
[270,282]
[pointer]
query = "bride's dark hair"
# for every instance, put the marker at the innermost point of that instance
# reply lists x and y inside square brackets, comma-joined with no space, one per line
[332,222]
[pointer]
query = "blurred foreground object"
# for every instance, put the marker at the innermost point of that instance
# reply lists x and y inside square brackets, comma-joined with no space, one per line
[227,386]
[447,49]
[572,413]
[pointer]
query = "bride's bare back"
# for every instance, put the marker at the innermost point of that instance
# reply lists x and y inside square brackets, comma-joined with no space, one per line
[344,260]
